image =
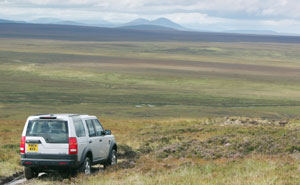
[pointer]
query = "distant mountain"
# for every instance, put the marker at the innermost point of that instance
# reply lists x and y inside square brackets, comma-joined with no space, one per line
[167,23]
[261,32]
[100,23]
[258,32]
[69,23]
[85,33]
[48,20]
[6,21]
[138,22]
[148,27]
[163,22]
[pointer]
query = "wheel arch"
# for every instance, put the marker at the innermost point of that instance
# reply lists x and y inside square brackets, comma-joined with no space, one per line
[113,145]
[86,153]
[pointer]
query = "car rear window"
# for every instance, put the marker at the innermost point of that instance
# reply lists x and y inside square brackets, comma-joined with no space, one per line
[79,128]
[53,131]
[91,128]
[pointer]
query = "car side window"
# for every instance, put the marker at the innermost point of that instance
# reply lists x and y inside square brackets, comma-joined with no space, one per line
[98,127]
[91,128]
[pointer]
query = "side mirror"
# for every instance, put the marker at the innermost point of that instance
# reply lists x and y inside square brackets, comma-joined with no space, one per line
[107,132]
[102,133]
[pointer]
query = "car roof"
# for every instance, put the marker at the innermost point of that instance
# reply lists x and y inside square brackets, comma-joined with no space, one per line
[60,115]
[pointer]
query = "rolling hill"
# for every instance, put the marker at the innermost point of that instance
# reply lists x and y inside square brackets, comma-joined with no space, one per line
[85,33]
[148,27]
[5,21]
[48,20]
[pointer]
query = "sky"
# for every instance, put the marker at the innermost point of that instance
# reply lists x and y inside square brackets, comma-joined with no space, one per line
[214,15]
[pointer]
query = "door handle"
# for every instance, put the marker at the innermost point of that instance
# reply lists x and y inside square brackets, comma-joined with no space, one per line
[34,141]
[100,140]
[90,141]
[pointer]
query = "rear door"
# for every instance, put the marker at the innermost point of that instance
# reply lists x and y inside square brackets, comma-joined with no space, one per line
[47,136]
[81,135]
[93,140]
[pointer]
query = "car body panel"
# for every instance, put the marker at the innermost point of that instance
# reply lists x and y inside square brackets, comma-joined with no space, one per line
[46,148]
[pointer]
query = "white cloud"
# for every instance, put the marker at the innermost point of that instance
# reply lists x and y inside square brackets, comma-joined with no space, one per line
[264,7]
[71,14]
[194,18]
[284,8]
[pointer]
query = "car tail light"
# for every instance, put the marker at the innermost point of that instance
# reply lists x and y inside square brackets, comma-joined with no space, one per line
[73,147]
[22,145]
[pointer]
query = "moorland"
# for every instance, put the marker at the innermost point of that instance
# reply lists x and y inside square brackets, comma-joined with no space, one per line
[231,105]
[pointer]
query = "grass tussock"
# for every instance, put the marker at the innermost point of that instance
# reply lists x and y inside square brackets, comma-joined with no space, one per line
[262,170]
[208,151]
[10,135]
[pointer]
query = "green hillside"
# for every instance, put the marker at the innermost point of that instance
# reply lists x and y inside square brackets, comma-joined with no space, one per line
[149,80]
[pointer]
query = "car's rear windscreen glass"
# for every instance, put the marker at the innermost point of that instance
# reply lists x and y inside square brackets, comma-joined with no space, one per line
[53,131]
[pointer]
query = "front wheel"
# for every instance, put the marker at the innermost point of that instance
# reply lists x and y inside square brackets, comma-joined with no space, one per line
[112,159]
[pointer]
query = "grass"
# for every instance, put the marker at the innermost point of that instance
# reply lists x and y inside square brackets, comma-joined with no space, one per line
[165,102]
[244,171]
[263,154]
[9,147]
[186,80]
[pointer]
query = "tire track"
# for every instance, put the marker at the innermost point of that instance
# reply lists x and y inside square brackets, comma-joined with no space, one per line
[13,178]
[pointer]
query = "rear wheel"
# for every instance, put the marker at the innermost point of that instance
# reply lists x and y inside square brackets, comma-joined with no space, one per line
[86,166]
[30,173]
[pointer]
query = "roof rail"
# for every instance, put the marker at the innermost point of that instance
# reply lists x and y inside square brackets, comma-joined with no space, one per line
[74,115]
[41,114]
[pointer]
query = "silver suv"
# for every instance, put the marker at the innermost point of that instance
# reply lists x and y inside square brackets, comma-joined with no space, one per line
[65,142]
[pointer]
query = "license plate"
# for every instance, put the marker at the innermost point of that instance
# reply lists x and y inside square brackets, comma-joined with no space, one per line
[32,147]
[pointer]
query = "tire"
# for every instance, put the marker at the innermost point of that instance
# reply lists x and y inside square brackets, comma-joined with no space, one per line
[29,173]
[112,159]
[35,174]
[86,166]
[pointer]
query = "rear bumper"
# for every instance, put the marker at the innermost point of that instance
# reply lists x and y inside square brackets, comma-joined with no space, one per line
[49,160]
